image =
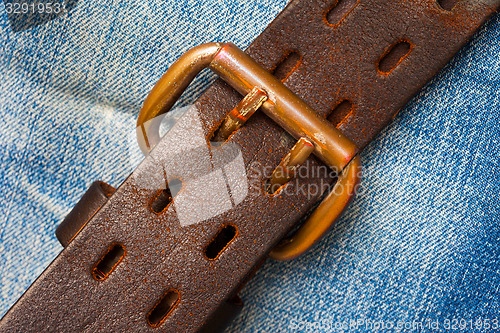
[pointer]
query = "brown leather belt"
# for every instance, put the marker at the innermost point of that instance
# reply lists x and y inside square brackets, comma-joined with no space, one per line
[131,266]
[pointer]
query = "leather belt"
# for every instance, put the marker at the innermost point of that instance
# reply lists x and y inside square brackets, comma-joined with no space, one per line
[131,265]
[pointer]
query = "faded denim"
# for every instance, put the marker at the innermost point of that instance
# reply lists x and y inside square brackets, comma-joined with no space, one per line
[420,244]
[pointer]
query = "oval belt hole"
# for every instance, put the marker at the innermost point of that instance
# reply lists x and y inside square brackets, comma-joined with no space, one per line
[161,201]
[340,112]
[339,11]
[163,308]
[287,65]
[394,56]
[220,242]
[108,262]
[447,5]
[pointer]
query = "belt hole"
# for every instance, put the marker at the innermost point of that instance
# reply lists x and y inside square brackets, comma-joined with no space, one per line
[163,308]
[221,241]
[393,57]
[287,65]
[164,197]
[339,11]
[447,5]
[108,262]
[340,112]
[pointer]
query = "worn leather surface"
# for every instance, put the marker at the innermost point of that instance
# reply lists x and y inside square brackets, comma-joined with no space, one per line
[329,60]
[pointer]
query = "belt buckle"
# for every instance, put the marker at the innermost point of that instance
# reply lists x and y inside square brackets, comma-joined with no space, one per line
[262,89]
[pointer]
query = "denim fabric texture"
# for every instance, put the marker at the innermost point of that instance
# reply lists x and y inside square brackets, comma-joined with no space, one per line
[419,246]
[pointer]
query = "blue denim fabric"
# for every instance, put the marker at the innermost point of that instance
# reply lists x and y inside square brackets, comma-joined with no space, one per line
[418,246]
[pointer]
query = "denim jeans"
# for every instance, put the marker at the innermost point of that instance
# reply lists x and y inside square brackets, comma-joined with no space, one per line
[418,248]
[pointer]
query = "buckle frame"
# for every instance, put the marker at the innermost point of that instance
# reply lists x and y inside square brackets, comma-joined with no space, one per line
[284,107]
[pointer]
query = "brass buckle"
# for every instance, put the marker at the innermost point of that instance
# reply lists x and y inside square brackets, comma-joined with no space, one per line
[280,104]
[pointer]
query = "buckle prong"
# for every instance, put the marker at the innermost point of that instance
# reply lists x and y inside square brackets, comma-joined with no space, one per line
[263,90]
[240,114]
